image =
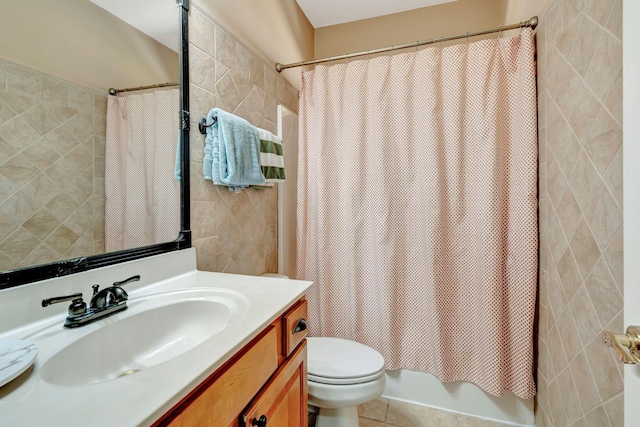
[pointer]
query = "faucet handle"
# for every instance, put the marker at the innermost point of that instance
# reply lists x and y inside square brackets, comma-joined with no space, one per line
[48,301]
[129,280]
[77,308]
[95,289]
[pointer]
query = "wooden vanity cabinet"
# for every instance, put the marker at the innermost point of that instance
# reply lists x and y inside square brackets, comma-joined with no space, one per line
[268,377]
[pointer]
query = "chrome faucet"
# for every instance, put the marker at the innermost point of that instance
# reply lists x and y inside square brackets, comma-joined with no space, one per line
[103,303]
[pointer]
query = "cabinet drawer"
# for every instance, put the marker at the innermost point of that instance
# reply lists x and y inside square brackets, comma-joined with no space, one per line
[294,326]
[219,400]
[283,400]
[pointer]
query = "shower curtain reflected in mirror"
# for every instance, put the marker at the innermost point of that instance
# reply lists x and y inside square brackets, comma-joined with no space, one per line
[417,208]
[142,196]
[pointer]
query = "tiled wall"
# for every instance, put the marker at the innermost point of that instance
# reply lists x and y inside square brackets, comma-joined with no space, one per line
[580,123]
[233,233]
[52,137]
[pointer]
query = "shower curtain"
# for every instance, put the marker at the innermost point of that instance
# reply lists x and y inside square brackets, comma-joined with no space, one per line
[142,196]
[417,208]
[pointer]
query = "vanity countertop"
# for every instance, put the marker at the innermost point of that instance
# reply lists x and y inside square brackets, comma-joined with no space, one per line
[141,398]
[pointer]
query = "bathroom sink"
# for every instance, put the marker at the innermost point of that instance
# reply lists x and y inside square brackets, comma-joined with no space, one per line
[149,333]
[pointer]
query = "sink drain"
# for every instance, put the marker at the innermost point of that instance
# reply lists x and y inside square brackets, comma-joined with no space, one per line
[129,372]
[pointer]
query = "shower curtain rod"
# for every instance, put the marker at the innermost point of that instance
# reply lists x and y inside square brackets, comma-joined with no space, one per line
[114,92]
[532,23]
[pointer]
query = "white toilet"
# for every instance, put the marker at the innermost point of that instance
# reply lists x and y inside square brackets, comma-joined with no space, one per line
[342,374]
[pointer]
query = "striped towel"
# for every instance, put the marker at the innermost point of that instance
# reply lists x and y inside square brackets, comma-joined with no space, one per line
[271,157]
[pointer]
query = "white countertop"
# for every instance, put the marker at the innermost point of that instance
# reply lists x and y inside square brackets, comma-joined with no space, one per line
[141,398]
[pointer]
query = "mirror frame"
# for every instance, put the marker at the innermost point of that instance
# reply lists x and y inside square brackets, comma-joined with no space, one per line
[26,275]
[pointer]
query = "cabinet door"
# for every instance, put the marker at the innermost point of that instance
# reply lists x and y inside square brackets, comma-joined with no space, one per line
[218,401]
[283,400]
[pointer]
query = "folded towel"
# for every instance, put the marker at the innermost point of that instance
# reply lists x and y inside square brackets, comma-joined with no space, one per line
[271,157]
[231,152]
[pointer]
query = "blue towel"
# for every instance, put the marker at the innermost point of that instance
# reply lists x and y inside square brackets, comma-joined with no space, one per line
[231,152]
[177,170]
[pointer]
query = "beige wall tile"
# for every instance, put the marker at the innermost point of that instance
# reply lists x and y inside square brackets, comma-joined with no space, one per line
[605,65]
[570,11]
[603,292]
[614,257]
[599,10]
[54,90]
[569,335]
[557,357]
[19,207]
[558,414]
[584,180]
[243,64]
[3,77]
[584,112]
[585,316]
[18,133]
[589,34]
[614,98]
[615,411]
[556,182]
[604,369]
[19,244]
[586,388]
[613,177]
[62,238]
[201,32]
[569,274]
[604,141]
[41,189]
[615,20]
[570,397]
[17,102]
[81,99]
[225,48]
[557,241]
[604,216]
[584,248]
[252,107]
[568,210]
[23,81]
[597,418]
[202,69]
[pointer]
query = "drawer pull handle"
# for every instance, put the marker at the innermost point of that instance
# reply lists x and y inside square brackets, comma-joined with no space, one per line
[262,422]
[301,325]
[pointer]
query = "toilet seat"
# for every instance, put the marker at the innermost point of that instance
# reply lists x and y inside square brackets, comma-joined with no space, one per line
[342,362]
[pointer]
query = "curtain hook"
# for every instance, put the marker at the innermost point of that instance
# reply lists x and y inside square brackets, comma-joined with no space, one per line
[467,38]
[441,42]
[499,30]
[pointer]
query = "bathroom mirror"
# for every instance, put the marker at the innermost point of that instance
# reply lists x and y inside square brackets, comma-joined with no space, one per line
[63,204]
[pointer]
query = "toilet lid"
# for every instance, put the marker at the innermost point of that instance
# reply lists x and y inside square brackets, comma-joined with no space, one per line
[339,361]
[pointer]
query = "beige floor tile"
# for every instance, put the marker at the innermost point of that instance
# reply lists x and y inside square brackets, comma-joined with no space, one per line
[375,409]
[403,414]
[366,422]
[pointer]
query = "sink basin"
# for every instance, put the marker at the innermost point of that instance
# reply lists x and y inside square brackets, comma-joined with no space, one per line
[147,334]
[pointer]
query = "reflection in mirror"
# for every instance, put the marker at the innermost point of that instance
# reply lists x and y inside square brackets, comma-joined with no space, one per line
[58,60]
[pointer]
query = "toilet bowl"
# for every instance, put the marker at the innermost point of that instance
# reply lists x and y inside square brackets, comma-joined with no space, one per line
[342,374]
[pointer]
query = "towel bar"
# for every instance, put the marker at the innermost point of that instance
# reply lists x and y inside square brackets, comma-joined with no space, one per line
[203,124]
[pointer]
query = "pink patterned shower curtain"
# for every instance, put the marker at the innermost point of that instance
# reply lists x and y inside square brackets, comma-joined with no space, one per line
[142,195]
[417,208]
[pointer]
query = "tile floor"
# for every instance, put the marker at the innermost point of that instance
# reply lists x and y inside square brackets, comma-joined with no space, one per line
[384,412]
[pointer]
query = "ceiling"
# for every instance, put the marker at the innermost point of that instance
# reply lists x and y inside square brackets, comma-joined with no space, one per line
[157,19]
[331,12]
